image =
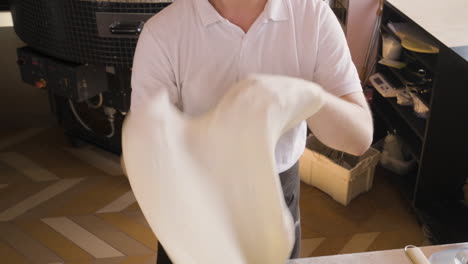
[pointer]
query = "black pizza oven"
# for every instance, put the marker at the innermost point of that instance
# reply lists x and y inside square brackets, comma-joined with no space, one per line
[100,32]
[81,52]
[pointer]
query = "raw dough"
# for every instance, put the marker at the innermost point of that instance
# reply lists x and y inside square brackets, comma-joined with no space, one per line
[209,186]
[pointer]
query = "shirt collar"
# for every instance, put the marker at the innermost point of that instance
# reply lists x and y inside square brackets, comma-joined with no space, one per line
[207,12]
[276,10]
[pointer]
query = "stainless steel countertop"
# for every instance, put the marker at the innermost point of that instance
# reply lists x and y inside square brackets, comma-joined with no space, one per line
[377,257]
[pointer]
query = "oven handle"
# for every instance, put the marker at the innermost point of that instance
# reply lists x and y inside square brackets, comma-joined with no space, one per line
[126,27]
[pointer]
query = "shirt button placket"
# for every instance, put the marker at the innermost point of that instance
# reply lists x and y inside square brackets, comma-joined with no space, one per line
[241,64]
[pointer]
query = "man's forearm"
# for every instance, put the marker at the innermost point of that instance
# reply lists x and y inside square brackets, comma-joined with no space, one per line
[344,124]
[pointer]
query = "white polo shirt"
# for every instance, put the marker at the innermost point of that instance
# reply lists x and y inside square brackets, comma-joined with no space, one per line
[194,53]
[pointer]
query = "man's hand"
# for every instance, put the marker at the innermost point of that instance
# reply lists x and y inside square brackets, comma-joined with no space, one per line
[344,123]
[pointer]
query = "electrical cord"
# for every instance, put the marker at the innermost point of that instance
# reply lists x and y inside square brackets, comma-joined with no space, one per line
[110,113]
[77,117]
[99,104]
[111,134]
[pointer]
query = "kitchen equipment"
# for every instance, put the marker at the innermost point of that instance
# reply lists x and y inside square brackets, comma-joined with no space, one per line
[87,32]
[404,97]
[414,76]
[391,47]
[81,53]
[383,86]
[420,108]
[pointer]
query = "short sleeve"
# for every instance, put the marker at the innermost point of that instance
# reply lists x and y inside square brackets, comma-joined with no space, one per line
[334,68]
[152,71]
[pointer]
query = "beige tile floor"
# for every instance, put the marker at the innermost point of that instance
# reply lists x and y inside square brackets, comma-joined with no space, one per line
[59,204]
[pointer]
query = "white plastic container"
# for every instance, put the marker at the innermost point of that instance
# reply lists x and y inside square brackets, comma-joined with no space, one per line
[394,156]
[342,184]
[399,167]
[391,48]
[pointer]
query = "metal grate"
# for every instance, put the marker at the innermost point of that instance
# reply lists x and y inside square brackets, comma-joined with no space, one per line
[67,29]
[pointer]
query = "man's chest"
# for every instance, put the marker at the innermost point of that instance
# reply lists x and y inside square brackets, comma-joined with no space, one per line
[210,61]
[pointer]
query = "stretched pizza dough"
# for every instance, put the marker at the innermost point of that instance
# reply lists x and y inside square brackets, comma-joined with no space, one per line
[208,186]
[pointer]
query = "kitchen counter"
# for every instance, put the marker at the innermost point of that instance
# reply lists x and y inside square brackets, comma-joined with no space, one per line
[380,257]
[446,20]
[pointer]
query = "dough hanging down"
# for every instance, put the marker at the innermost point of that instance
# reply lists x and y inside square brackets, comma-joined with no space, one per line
[209,186]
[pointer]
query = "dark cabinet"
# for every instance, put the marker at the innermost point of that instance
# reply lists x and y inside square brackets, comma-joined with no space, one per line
[438,143]
[4,5]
